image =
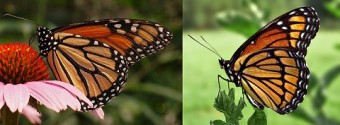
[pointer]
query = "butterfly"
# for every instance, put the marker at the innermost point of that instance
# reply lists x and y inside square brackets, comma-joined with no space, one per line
[270,66]
[94,56]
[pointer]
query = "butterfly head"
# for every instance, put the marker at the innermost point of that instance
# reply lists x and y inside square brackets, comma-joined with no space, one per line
[225,64]
[45,40]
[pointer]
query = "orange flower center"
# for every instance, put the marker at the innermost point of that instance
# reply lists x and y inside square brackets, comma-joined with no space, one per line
[20,63]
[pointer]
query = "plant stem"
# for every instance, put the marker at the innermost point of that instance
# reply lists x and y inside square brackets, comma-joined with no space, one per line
[8,117]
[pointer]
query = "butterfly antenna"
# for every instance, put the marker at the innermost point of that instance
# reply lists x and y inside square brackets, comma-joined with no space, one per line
[212,50]
[36,58]
[21,18]
[211,47]
[32,39]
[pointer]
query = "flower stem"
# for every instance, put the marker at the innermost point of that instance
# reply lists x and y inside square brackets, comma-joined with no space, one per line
[8,117]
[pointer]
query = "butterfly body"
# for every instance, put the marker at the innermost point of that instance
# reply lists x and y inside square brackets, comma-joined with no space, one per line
[270,66]
[95,56]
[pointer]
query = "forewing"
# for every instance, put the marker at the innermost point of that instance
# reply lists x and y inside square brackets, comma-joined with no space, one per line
[133,38]
[293,30]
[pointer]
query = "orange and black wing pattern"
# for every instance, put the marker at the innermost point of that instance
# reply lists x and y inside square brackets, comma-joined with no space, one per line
[294,30]
[270,65]
[95,56]
[274,77]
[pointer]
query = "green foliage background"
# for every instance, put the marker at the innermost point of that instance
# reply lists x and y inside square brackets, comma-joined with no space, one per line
[153,93]
[226,24]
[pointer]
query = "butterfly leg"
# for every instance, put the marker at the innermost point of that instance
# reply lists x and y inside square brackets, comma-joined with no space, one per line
[243,93]
[219,85]
[36,58]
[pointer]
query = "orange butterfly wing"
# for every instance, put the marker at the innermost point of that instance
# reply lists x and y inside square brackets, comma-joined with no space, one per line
[95,56]
[134,38]
[276,78]
[294,30]
[270,65]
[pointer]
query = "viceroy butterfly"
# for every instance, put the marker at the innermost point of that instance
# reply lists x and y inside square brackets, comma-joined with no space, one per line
[94,56]
[270,66]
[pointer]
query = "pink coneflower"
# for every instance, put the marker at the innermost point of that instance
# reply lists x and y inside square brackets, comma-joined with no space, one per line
[23,83]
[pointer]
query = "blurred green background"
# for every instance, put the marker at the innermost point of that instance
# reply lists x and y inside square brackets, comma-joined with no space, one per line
[153,93]
[226,24]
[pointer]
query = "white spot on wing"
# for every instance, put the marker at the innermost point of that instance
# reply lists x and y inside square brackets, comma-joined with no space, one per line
[133,29]
[95,42]
[139,50]
[160,29]
[121,31]
[135,24]
[127,21]
[113,21]
[118,25]
[106,45]
[302,34]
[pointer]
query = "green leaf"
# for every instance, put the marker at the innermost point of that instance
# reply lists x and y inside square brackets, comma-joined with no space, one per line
[221,102]
[226,104]
[231,95]
[218,122]
[237,113]
[237,22]
[258,118]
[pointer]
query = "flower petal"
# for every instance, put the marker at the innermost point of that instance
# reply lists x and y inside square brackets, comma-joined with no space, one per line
[56,95]
[32,114]
[98,112]
[71,89]
[2,101]
[16,96]
[45,94]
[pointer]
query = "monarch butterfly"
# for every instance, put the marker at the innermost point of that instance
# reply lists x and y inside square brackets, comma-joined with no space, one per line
[270,66]
[94,56]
